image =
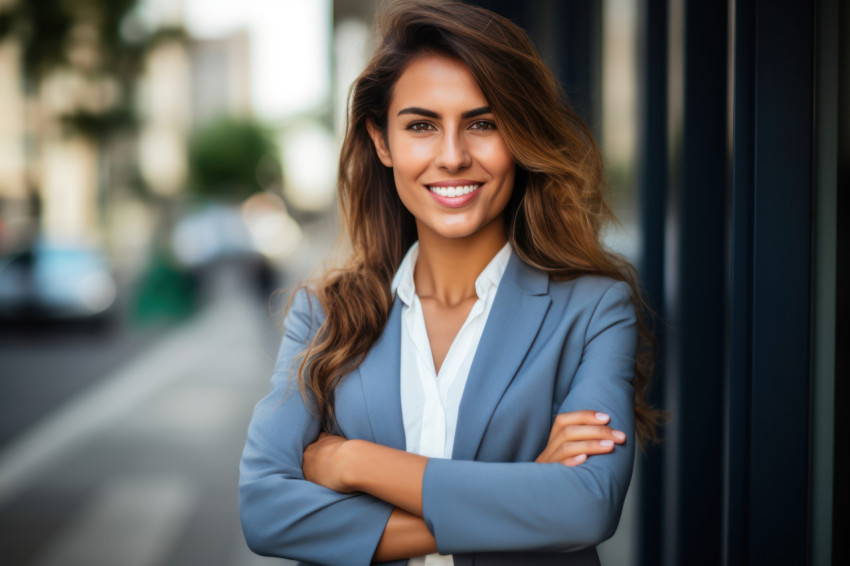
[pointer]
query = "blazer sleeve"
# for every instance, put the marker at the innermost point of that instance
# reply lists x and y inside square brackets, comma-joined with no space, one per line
[473,506]
[283,514]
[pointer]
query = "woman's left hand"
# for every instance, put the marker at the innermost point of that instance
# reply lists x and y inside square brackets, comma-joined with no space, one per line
[324,462]
[579,434]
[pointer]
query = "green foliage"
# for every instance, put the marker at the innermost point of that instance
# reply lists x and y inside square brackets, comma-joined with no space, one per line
[7,23]
[43,27]
[224,155]
[99,125]
[166,34]
[48,30]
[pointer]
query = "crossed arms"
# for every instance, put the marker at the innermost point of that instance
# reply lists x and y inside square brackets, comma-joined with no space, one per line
[349,502]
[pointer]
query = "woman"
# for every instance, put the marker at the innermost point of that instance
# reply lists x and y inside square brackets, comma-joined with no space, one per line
[468,380]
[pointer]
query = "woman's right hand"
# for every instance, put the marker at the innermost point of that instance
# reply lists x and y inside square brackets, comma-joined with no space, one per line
[577,435]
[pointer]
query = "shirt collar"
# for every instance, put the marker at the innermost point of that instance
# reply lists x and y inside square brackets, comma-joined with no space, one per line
[489,278]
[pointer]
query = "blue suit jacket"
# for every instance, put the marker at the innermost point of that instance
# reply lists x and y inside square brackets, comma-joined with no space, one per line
[548,347]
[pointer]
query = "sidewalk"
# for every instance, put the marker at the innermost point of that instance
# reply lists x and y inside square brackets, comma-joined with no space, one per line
[142,470]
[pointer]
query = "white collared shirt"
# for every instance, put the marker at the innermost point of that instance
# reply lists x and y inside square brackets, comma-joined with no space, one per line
[430,401]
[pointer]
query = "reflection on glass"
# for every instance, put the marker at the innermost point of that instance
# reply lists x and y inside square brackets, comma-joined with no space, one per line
[619,120]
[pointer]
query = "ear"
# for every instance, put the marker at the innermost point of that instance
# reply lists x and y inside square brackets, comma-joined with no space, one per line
[380,143]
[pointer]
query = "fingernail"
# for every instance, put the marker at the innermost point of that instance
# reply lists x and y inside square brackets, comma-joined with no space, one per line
[602,416]
[619,435]
[580,458]
[606,443]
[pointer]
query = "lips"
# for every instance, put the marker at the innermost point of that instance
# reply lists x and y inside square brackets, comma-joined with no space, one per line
[453,191]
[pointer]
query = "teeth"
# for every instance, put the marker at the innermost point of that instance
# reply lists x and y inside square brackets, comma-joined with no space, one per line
[454,191]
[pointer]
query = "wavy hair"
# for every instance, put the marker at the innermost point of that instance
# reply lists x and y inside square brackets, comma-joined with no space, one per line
[552,220]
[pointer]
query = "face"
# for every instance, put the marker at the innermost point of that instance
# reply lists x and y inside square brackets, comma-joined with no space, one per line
[452,169]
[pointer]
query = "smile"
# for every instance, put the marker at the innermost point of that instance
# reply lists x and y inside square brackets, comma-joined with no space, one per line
[457,191]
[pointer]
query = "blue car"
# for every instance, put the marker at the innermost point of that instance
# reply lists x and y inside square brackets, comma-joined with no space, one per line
[51,281]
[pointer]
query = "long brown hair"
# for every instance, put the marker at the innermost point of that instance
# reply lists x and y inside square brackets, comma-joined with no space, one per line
[554,216]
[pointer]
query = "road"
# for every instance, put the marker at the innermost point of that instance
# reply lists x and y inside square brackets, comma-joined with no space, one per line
[43,366]
[140,469]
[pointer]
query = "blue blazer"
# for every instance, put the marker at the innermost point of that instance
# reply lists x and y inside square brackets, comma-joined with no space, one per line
[548,347]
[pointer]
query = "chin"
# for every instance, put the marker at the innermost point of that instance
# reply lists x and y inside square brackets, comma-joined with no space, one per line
[455,232]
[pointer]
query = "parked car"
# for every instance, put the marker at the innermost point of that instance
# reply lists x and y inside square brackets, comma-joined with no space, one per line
[55,281]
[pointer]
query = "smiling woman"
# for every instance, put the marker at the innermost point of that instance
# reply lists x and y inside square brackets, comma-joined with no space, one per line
[451,167]
[470,384]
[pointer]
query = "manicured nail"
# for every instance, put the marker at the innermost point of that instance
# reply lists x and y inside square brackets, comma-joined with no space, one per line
[619,435]
[602,416]
[606,443]
[580,458]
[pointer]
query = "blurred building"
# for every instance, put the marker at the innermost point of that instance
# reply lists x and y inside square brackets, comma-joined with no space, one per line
[165,108]
[221,76]
[49,175]
[14,202]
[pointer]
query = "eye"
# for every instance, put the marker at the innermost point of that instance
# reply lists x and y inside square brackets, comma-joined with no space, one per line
[483,125]
[420,126]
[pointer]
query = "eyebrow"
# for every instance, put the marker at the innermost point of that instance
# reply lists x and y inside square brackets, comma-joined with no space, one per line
[431,114]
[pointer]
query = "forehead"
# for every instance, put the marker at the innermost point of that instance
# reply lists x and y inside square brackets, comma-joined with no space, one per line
[432,80]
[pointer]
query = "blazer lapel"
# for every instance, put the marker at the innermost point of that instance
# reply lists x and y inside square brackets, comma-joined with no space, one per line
[379,376]
[515,318]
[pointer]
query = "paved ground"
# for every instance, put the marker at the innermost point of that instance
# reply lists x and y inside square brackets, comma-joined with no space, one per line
[142,469]
[42,365]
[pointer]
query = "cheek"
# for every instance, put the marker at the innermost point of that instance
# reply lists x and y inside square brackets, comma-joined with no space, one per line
[407,190]
[400,185]
[494,155]
[505,194]
[410,158]
[508,177]
[504,162]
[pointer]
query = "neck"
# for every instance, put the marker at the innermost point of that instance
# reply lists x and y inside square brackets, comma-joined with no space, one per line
[447,268]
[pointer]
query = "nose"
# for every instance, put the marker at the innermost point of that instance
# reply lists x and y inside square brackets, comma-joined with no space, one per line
[453,154]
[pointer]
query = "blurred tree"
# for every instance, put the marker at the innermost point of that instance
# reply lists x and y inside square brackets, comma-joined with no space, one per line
[102,43]
[91,37]
[232,158]
[42,27]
